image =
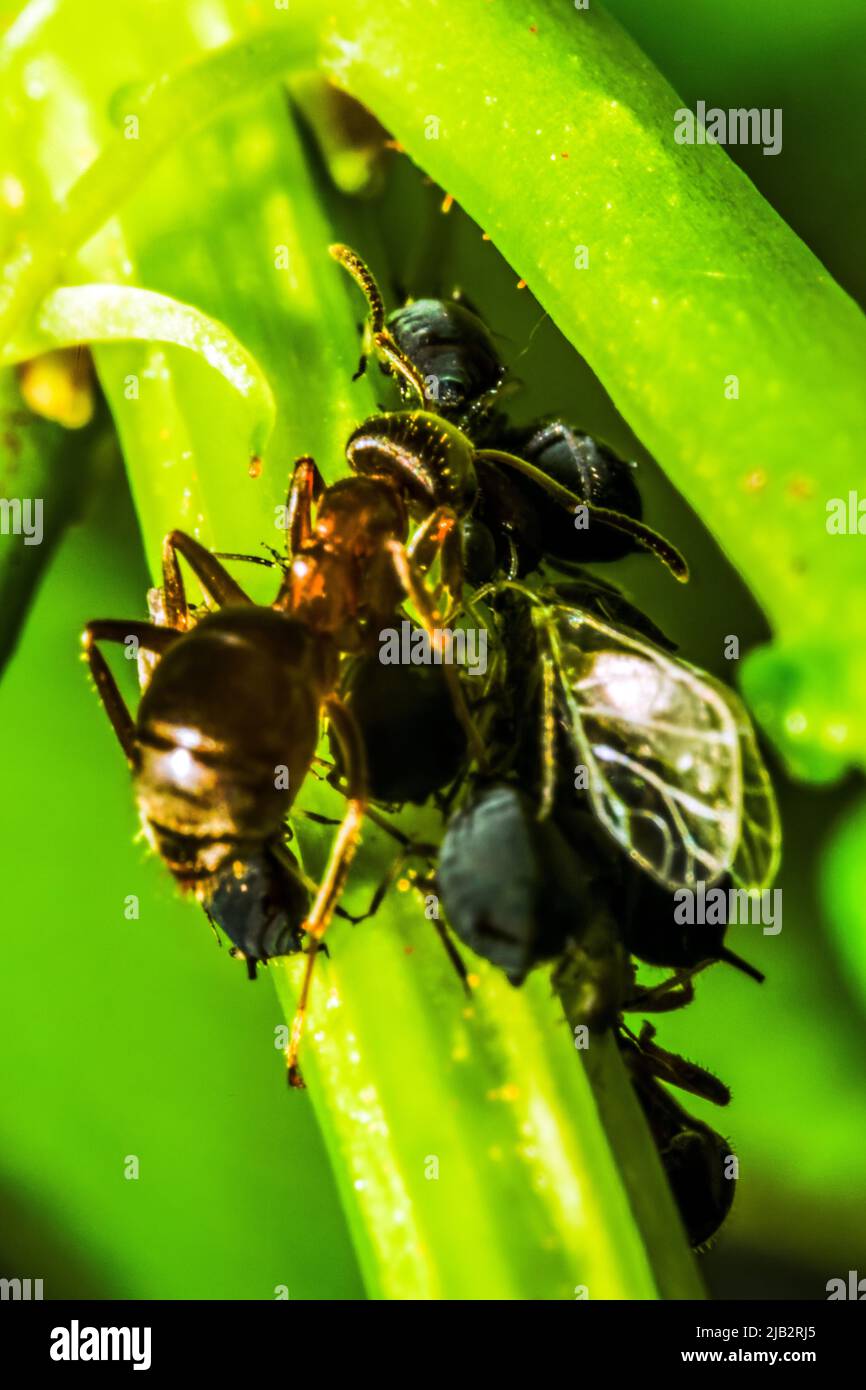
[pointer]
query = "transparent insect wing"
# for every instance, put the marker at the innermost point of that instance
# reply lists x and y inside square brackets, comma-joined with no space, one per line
[661,746]
[756,861]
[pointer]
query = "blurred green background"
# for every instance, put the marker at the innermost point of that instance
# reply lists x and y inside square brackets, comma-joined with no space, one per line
[139,1037]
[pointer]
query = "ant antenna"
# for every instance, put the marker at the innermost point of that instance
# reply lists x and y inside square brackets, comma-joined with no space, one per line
[644,535]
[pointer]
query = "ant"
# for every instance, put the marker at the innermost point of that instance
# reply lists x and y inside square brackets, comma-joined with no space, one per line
[228,724]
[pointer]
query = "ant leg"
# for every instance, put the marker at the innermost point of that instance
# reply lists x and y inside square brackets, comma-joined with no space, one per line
[383,342]
[413,586]
[346,840]
[342,852]
[305,487]
[152,638]
[644,535]
[207,570]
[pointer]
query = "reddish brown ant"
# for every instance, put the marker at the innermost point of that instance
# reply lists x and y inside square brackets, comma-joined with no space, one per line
[236,696]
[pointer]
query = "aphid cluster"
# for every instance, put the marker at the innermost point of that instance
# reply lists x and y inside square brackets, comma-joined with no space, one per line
[450,508]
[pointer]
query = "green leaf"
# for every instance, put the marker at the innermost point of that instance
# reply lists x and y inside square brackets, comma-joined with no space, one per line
[122,313]
[162,111]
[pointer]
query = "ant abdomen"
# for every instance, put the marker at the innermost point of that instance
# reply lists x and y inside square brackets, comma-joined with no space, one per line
[226,731]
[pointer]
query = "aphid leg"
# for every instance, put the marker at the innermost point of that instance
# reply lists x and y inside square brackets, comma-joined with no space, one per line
[385,347]
[644,535]
[389,878]
[413,586]
[453,955]
[334,878]
[388,351]
[548,736]
[208,571]
[213,927]
[410,849]
[677,1071]
[427,852]
[495,395]
[371,813]
[148,635]
[550,672]
[670,994]
[439,534]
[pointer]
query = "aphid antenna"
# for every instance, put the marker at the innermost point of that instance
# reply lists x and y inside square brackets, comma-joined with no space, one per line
[383,341]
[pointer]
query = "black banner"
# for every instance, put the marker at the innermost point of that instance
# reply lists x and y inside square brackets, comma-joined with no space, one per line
[160,1339]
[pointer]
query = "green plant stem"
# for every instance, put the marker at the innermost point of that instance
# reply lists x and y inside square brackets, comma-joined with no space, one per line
[477,1157]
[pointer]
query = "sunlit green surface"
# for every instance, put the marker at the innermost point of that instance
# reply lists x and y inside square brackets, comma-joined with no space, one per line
[793,1051]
